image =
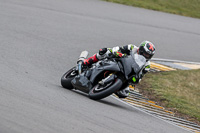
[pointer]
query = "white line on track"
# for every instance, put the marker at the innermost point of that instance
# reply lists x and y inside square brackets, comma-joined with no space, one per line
[177,61]
[150,114]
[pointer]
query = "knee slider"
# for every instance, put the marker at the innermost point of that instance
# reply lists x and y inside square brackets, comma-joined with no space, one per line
[102,51]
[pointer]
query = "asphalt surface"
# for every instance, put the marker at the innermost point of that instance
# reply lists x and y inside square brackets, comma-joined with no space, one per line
[42,39]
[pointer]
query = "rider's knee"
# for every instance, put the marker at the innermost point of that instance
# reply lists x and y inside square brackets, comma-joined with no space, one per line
[102,51]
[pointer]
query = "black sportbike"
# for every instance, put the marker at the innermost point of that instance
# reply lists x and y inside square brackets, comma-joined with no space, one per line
[105,77]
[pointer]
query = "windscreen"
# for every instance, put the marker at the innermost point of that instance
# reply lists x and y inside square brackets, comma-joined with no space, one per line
[138,63]
[133,64]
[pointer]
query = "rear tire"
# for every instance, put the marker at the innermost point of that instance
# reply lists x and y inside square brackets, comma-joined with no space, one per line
[67,78]
[113,87]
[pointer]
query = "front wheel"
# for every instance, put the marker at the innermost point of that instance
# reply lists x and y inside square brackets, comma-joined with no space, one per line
[67,78]
[99,91]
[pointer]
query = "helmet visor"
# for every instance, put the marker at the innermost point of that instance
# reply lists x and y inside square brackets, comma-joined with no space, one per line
[147,56]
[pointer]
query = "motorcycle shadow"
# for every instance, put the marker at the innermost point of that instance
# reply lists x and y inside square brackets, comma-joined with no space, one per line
[109,101]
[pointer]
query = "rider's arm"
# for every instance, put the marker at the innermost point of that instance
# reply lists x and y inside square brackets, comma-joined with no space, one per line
[116,51]
[109,52]
[147,67]
[127,49]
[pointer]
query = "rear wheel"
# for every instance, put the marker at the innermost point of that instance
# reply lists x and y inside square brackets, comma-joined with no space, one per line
[101,91]
[67,78]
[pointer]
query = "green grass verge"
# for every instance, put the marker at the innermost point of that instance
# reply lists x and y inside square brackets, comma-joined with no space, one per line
[189,8]
[178,90]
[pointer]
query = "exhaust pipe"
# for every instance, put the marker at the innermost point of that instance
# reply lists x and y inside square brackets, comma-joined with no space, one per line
[82,56]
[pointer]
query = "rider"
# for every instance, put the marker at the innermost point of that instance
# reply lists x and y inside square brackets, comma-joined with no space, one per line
[146,49]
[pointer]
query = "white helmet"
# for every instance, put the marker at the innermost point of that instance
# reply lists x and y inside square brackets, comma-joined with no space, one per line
[147,49]
[123,93]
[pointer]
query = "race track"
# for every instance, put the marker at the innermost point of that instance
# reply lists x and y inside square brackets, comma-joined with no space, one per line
[42,39]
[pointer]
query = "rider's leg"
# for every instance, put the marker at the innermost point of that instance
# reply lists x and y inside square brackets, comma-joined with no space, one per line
[103,53]
[90,60]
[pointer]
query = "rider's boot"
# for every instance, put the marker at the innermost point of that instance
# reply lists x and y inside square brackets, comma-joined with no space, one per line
[123,93]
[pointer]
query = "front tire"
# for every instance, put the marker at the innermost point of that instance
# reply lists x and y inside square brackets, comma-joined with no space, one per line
[67,78]
[99,92]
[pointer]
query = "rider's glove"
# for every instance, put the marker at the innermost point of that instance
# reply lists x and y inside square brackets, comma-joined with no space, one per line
[136,80]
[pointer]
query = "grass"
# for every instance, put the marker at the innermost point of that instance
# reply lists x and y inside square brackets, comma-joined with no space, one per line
[178,90]
[190,8]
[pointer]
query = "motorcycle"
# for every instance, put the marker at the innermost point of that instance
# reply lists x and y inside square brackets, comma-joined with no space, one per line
[104,77]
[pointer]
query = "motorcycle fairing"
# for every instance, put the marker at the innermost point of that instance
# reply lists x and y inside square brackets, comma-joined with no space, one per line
[132,64]
[104,65]
[139,63]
